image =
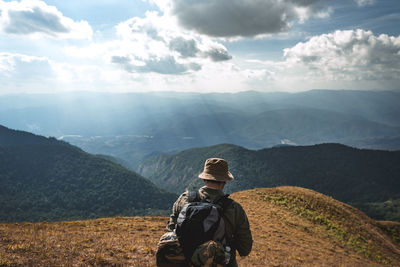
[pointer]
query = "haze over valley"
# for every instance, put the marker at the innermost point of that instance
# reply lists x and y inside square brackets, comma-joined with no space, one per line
[134,126]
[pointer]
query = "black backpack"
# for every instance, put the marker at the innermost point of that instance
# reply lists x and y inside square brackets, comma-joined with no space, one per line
[199,222]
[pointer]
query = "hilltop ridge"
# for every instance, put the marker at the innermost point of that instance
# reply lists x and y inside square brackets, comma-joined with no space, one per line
[297,226]
[291,226]
[9,137]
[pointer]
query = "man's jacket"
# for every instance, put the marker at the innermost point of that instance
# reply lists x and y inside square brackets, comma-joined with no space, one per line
[237,228]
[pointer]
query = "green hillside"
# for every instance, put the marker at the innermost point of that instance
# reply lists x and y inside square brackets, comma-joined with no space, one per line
[44,179]
[367,179]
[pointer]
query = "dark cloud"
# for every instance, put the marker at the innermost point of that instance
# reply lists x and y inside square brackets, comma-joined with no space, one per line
[218,54]
[187,48]
[35,20]
[231,18]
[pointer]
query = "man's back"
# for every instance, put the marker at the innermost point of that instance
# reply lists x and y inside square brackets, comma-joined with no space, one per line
[237,228]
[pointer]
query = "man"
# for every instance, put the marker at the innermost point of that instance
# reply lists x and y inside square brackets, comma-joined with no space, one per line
[237,228]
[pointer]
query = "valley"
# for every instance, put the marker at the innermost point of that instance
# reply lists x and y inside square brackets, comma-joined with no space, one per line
[134,126]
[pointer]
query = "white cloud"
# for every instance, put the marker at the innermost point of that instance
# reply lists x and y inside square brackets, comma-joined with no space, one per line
[23,73]
[365,2]
[36,18]
[155,52]
[25,67]
[20,72]
[156,44]
[339,60]
[238,18]
[351,55]
[353,59]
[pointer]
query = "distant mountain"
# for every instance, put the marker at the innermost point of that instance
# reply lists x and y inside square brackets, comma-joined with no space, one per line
[308,126]
[379,106]
[364,178]
[382,143]
[301,126]
[45,179]
[133,126]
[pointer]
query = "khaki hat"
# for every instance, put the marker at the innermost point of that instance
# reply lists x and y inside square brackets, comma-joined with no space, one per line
[216,169]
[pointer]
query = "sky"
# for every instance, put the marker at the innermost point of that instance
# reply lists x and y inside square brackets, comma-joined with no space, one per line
[198,46]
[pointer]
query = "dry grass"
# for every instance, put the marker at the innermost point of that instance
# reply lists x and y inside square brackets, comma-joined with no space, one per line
[291,227]
[120,241]
[298,227]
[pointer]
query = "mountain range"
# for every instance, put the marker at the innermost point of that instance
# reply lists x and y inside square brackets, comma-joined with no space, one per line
[46,179]
[367,179]
[133,126]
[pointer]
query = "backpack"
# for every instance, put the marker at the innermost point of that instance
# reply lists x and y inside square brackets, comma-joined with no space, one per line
[199,223]
[169,252]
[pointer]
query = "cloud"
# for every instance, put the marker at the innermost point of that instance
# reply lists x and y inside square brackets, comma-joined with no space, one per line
[348,55]
[156,44]
[353,59]
[238,18]
[165,65]
[22,72]
[36,18]
[23,66]
[218,53]
[365,2]
[187,48]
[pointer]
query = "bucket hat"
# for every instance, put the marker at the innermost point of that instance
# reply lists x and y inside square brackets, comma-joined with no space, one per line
[216,169]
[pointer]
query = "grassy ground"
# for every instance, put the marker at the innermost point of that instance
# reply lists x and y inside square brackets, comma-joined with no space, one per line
[291,227]
[129,241]
[299,227]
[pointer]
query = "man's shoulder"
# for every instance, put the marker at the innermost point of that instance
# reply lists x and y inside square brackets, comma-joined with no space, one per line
[233,204]
[184,194]
[236,204]
[182,199]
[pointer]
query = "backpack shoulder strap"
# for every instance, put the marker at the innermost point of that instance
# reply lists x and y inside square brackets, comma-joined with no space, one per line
[194,196]
[224,202]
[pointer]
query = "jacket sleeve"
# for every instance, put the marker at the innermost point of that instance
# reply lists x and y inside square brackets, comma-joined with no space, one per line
[176,209]
[242,238]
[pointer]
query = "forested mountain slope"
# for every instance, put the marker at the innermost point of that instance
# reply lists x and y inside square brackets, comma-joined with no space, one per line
[45,179]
